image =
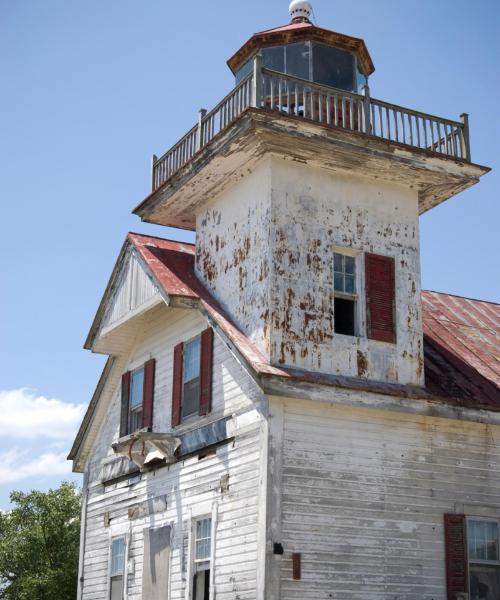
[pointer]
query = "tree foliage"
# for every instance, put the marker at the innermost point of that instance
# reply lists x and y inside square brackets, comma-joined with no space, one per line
[39,540]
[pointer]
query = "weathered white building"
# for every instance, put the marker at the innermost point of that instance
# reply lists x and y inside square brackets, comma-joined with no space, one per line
[284,414]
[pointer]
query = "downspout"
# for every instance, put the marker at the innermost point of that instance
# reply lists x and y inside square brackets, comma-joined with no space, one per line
[83,536]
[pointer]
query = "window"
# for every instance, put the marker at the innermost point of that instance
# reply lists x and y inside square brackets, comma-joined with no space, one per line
[137,398]
[191,378]
[117,568]
[135,404]
[202,556]
[484,558]
[344,282]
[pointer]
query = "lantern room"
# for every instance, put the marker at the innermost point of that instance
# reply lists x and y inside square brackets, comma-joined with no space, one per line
[302,50]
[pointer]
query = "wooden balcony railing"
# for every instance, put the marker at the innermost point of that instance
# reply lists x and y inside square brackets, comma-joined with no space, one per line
[273,91]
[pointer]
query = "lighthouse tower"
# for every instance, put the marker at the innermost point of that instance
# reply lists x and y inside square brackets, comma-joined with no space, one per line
[305,194]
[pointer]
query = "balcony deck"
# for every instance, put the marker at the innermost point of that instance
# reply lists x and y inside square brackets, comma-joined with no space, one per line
[297,98]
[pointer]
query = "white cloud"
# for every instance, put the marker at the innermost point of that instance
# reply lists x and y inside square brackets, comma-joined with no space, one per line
[15,465]
[24,414]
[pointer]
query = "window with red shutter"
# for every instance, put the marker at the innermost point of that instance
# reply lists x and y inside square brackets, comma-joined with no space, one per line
[192,378]
[380,297]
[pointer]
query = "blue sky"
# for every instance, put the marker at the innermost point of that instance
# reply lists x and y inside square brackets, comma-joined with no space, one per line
[90,90]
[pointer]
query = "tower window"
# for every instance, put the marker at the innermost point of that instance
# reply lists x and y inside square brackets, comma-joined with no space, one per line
[344,282]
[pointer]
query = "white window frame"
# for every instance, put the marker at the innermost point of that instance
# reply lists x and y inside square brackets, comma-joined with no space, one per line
[358,296]
[125,538]
[205,511]
[194,414]
[491,563]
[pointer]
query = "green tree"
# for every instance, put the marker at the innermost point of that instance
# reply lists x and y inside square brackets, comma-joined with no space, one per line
[39,545]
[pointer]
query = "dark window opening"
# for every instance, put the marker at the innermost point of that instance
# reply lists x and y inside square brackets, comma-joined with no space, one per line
[201,585]
[344,316]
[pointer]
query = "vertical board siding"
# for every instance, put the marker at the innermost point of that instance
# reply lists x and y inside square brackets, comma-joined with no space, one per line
[364,494]
[134,289]
[188,483]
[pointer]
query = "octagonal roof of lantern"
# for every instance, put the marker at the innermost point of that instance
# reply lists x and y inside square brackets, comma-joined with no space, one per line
[300,31]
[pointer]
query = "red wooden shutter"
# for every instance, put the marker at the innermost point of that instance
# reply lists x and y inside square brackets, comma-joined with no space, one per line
[456,555]
[380,297]
[206,360]
[177,385]
[124,404]
[148,393]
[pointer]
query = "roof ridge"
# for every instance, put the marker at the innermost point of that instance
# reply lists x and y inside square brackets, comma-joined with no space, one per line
[157,237]
[463,297]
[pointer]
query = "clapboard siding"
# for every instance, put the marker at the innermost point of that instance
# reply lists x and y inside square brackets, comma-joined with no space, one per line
[189,484]
[363,496]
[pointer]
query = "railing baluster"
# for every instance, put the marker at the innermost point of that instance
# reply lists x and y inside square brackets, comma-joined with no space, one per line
[323,104]
[440,139]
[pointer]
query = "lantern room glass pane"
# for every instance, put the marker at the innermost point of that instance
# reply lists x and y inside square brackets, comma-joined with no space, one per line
[245,70]
[298,59]
[333,67]
[274,58]
[361,80]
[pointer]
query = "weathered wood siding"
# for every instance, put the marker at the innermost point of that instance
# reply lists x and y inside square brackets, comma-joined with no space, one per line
[363,494]
[190,487]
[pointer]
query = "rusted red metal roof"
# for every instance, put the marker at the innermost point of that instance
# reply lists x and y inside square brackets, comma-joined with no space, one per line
[462,346]
[461,336]
[297,32]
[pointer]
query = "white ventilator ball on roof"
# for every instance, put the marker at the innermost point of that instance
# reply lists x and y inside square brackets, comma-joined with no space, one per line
[300,9]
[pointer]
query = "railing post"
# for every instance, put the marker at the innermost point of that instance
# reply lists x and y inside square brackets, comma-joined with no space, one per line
[199,138]
[464,117]
[154,158]
[257,81]
[366,109]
